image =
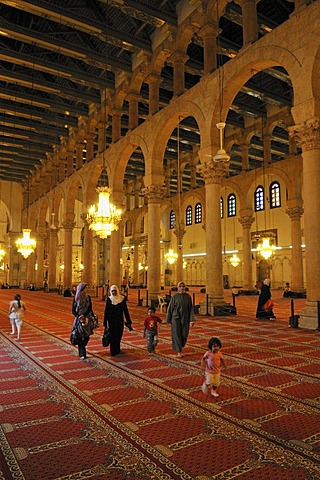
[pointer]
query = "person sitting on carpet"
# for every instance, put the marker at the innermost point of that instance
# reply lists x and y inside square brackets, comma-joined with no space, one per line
[81,308]
[16,315]
[211,362]
[115,311]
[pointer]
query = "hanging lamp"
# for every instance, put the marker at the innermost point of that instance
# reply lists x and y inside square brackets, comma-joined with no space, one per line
[104,218]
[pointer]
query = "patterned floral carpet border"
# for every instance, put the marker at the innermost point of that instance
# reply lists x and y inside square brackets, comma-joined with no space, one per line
[138,416]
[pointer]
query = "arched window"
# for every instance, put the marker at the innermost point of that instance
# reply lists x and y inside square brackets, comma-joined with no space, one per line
[232,205]
[128,229]
[275,198]
[221,207]
[172,219]
[259,199]
[189,215]
[198,213]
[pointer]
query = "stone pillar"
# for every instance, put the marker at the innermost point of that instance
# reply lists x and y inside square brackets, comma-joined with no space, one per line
[31,260]
[193,179]
[70,155]
[79,155]
[307,136]
[266,149]
[209,33]
[40,259]
[52,273]
[178,59]
[102,137]
[249,21]
[245,157]
[180,231]
[90,146]
[136,196]
[135,243]
[295,214]
[292,146]
[133,99]
[213,173]
[68,226]
[87,255]
[155,195]
[246,219]
[115,246]
[116,124]
[154,82]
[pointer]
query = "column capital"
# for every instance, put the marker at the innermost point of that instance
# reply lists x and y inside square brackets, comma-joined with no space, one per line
[246,221]
[295,213]
[68,225]
[154,193]
[179,232]
[178,57]
[209,29]
[307,134]
[213,172]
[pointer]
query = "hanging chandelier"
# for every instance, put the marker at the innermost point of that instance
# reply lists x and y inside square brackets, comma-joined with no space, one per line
[26,245]
[265,249]
[234,260]
[104,218]
[2,254]
[171,256]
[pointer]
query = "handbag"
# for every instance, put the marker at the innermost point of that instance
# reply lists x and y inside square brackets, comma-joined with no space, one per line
[268,306]
[76,333]
[106,337]
[94,321]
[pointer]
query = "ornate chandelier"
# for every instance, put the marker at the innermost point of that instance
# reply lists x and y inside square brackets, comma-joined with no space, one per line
[26,245]
[2,254]
[105,218]
[234,260]
[265,249]
[171,256]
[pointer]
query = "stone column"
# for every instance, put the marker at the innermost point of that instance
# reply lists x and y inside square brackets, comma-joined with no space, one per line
[155,195]
[79,155]
[133,99]
[307,136]
[70,155]
[193,179]
[116,124]
[266,149]
[40,259]
[209,33]
[135,243]
[249,21]
[295,214]
[246,219]
[90,146]
[87,254]
[31,260]
[213,173]
[245,156]
[115,246]
[154,82]
[68,226]
[180,231]
[102,137]
[178,59]
[52,273]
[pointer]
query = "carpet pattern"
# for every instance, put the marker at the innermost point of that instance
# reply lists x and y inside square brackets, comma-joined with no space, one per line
[139,417]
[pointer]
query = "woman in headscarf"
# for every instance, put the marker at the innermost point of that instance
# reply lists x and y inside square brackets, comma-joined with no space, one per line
[180,315]
[81,309]
[264,296]
[114,314]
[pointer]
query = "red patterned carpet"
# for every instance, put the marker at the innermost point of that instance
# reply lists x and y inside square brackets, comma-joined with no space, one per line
[143,417]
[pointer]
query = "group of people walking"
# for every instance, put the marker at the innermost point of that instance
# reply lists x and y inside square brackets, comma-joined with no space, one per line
[180,317]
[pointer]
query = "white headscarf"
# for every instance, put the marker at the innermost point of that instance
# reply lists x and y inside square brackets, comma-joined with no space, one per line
[266,281]
[115,298]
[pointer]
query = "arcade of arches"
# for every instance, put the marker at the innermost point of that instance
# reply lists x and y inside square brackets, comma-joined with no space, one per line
[55,203]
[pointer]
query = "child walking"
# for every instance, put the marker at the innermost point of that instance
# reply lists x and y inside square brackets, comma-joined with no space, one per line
[211,362]
[16,315]
[151,329]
